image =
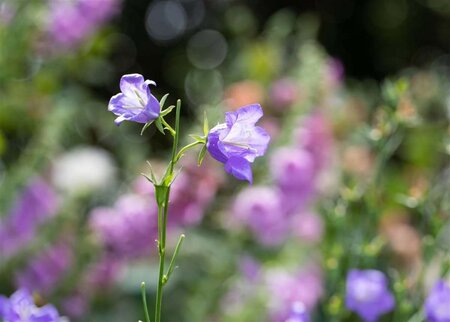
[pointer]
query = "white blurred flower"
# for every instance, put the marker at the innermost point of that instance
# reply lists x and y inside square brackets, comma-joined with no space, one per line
[83,169]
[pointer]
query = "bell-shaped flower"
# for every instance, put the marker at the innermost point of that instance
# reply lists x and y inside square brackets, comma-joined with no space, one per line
[135,102]
[237,142]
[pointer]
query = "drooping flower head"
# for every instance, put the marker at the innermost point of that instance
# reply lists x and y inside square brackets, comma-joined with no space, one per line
[238,142]
[437,304]
[20,307]
[368,294]
[135,102]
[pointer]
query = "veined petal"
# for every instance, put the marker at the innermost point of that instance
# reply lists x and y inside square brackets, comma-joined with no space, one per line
[120,103]
[132,82]
[248,141]
[247,115]
[239,168]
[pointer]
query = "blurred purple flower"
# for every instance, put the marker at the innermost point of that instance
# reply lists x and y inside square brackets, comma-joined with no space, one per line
[20,307]
[33,207]
[86,15]
[286,288]
[128,228]
[259,208]
[334,72]
[238,142]
[294,172]
[250,268]
[283,93]
[46,269]
[192,191]
[307,226]
[101,274]
[135,102]
[74,305]
[315,136]
[368,294]
[437,304]
[297,313]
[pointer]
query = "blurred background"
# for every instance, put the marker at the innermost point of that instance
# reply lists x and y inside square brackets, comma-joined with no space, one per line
[356,96]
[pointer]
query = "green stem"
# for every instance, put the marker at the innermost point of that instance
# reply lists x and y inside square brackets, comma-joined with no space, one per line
[187,147]
[144,302]
[171,130]
[163,209]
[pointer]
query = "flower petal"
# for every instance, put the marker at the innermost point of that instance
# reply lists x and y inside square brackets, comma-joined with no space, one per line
[131,82]
[247,115]
[239,168]
[213,141]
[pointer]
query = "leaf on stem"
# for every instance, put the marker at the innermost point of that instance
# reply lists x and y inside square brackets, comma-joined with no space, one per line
[201,155]
[163,100]
[146,127]
[159,125]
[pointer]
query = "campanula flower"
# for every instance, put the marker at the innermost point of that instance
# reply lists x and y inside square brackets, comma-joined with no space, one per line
[135,102]
[368,294]
[20,307]
[437,304]
[237,142]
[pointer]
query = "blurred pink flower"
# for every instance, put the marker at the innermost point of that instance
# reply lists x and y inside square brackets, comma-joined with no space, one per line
[307,226]
[260,209]
[283,93]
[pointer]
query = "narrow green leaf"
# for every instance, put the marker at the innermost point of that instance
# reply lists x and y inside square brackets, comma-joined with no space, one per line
[197,138]
[167,110]
[163,100]
[145,127]
[201,155]
[159,125]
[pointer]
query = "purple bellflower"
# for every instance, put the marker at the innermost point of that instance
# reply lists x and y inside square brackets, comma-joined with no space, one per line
[237,142]
[135,102]
[437,304]
[368,294]
[20,307]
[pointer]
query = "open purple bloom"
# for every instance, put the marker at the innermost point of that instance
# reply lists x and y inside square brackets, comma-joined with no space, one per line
[368,294]
[238,142]
[135,102]
[437,304]
[20,307]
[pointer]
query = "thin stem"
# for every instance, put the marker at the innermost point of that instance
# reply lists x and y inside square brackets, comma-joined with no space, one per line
[187,147]
[171,130]
[144,302]
[163,209]
[174,257]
